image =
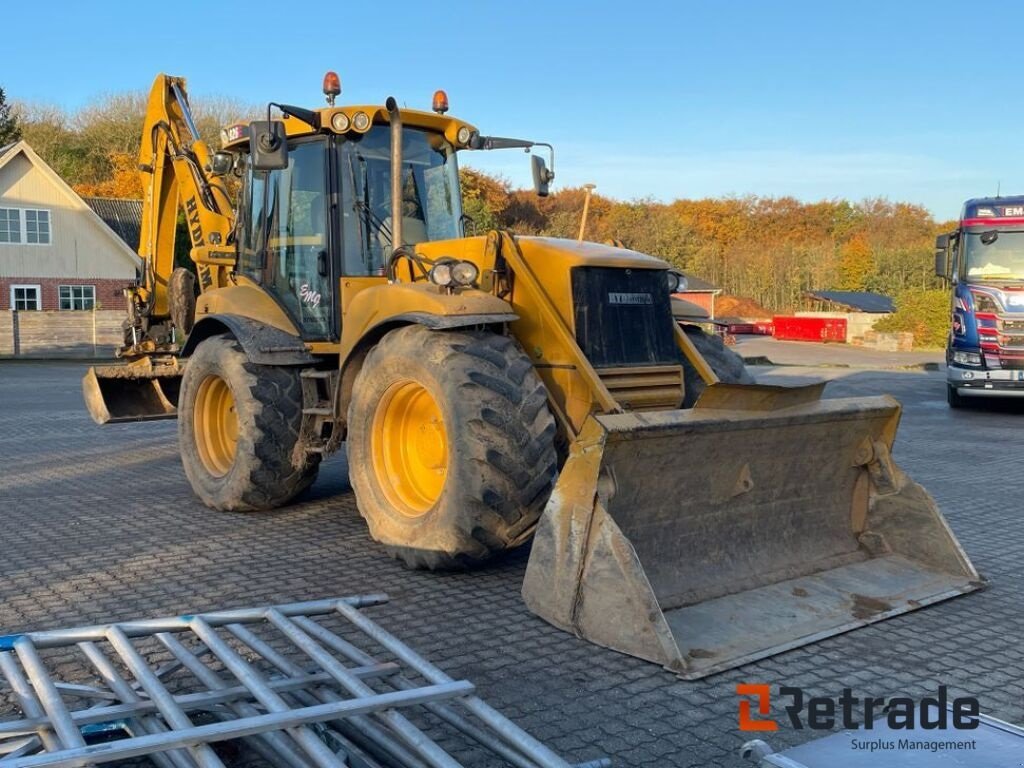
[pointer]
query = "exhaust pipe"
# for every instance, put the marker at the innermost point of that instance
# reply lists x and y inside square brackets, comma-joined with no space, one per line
[395,119]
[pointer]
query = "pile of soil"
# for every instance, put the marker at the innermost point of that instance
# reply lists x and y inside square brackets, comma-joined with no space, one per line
[738,306]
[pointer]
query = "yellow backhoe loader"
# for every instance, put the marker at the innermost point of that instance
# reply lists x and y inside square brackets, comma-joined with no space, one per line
[496,388]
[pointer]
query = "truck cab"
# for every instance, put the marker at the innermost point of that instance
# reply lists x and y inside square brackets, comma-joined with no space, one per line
[983,262]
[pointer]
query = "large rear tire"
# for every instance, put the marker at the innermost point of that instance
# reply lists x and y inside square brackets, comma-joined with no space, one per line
[450,445]
[238,424]
[727,365]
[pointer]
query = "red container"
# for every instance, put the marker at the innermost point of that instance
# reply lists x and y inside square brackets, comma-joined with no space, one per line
[810,328]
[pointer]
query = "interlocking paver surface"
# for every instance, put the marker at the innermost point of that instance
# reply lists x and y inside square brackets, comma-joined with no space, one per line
[99,524]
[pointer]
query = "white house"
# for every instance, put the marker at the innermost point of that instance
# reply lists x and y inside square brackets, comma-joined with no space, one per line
[56,253]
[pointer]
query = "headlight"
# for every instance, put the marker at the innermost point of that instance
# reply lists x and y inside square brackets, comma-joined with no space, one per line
[361,122]
[676,282]
[465,273]
[340,122]
[967,358]
[441,274]
[463,135]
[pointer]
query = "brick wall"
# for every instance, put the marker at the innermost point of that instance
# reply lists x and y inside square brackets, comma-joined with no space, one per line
[108,292]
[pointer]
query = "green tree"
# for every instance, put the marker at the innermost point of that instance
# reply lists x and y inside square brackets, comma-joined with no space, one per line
[924,313]
[9,128]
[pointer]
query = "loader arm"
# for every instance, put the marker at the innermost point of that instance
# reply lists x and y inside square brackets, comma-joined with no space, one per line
[175,166]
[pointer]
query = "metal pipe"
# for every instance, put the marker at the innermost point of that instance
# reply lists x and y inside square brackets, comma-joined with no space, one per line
[249,726]
[251,679]
[272,745]
[586,210]
[188,702]
[419,741]
[58,637]
[27,700]
[127,694]
[395,118]
[442,711]
[173,714]
[504,727]
[48,694]
[372,733]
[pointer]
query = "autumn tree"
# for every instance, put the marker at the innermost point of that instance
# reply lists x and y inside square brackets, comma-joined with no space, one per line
[856,264]
[9,130]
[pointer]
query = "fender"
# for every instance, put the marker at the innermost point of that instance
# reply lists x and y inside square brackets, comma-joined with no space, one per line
[372,311]
[263,344]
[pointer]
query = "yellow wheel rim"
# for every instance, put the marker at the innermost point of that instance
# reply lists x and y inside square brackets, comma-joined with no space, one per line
[216,425]
[410,448]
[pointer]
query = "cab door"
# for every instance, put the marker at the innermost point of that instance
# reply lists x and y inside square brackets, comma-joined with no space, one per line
[285,241]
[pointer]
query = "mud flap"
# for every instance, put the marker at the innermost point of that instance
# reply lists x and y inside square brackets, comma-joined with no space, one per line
[763,519]
[139,391]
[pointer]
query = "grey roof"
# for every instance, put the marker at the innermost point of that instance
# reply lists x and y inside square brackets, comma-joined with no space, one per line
[122,216]
[860,301]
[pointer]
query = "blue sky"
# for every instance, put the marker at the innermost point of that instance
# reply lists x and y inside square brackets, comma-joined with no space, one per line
[914,101]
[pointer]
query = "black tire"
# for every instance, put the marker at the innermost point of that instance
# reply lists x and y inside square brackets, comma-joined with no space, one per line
[268,407]
[727,365]
[501,462]
[953,397]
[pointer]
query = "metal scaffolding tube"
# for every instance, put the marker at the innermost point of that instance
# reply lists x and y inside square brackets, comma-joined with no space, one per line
[494,719]
[173,714]
[272,745]
[235,729]
[370,731]
[251,679]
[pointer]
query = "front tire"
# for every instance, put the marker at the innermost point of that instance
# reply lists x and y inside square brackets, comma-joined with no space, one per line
[953,397]
[450,444]
[727,365]
[238,424]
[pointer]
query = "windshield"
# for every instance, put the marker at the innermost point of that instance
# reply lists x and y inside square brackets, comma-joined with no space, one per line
[431,204]
[994,255]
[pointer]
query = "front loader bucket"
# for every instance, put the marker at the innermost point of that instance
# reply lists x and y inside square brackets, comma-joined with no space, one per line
[763,519]
[135,392]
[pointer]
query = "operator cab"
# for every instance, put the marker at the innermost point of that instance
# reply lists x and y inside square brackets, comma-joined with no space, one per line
[316,196]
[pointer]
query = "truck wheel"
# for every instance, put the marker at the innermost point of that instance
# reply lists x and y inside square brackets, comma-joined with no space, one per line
[238,424]
[450,444]
[727,365]
[953,397]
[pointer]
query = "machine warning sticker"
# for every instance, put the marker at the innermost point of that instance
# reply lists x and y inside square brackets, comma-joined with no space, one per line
[630,298]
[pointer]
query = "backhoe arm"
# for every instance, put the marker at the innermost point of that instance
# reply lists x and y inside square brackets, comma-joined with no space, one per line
[175,166]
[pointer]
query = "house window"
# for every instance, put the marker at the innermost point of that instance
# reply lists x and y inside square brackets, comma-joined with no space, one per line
[10,225]
[26,297]
[37,227]
[77,296]
[31,225]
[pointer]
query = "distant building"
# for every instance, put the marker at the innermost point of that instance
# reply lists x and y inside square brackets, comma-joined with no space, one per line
[851,301]
[57,252]
[700,292]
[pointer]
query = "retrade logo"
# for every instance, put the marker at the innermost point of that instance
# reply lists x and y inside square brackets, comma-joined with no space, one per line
[853,712]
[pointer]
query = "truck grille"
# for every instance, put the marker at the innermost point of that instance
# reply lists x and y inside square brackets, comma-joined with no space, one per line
[623,317]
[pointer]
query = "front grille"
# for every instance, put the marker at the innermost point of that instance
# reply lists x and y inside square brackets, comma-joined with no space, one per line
[645,388]
[623,317]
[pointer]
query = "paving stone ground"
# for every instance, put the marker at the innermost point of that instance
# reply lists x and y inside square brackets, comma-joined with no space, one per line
[99,524]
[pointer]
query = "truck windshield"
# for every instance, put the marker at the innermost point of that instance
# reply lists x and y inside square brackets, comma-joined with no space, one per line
[431,201]
[994,255]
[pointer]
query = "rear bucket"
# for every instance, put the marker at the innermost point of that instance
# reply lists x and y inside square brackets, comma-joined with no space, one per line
[761,520]
[140,391]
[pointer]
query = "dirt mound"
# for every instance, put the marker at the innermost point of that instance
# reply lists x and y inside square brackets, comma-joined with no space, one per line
[737,306]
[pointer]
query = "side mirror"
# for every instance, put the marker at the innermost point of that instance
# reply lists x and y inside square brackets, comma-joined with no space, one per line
[221,163]
[268,145]
[942,257]
[542,177]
